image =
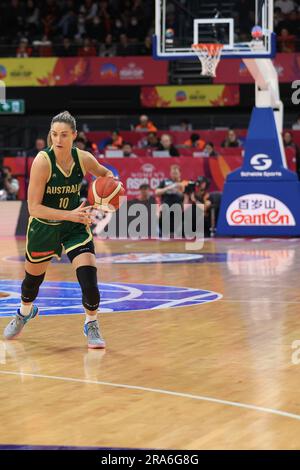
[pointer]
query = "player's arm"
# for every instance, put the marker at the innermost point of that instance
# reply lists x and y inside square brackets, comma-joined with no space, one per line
[92,166]
[39,175]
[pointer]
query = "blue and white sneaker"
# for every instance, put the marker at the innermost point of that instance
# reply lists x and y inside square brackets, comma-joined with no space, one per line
[17,324]
[92,332]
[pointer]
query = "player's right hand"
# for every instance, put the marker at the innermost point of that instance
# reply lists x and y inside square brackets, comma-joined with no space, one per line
[81,215]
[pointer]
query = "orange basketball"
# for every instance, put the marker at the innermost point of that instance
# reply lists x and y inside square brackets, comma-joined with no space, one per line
[105,193]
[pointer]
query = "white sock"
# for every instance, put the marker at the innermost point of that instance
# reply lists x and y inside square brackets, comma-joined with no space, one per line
[25,309]
[90,317]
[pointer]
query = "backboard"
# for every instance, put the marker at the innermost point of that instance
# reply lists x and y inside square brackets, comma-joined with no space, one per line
[181,23]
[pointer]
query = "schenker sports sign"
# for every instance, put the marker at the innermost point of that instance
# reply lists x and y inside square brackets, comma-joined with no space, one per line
[259,209]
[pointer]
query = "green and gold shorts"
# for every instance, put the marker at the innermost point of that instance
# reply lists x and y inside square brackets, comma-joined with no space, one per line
[47,239]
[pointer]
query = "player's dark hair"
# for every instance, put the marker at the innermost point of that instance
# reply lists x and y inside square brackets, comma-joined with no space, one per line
[64,117]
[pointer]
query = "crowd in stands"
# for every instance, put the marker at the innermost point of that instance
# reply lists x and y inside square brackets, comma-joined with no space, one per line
[286,25]
[112,27]
[76,27]
[151,142]
[286,22]
[146,140]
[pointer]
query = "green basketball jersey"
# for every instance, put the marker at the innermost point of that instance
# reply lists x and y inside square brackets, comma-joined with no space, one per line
[63,191]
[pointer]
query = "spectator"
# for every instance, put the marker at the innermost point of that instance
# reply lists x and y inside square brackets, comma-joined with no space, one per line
[185,125]
[108,49]
[145,194]
[44,47]
[67,49]
[118,29]
[124,49]
[195,142]
[9,186]
[32,15]
[81,31]
[135,30]
[231,140]
[80,143]
[146,48]
[95,29]
[199,198]
[49,17]
[89,10]
[23,49]
[127,150]
[67,24]
[286,6]
[88,50]
[279,20]
[166,144]
[170,191]
[296,125]
[115,141]
[151,141]
[288,142]
[89,146]
[145,124]
[293,23]
[40,144]
[209,150]
[286,41]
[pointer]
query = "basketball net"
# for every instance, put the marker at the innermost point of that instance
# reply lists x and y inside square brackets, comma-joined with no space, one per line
[209,56]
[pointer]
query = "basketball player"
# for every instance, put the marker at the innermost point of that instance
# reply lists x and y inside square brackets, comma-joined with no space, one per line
[58,221]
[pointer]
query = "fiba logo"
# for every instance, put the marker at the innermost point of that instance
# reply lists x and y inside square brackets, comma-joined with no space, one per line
[261,161]
[170,33]
[169,37]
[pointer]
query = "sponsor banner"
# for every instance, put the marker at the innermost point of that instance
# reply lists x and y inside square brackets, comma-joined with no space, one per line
[261,197]
[83,71]
[135,171]
[264,157]
[259,210]
[235,71]
[189,96]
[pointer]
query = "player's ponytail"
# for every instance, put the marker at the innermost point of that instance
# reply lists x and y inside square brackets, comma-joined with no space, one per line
[49,140]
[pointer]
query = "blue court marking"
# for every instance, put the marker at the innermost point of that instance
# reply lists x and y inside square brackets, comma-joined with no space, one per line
[64,298]
[152,258]
[33,447]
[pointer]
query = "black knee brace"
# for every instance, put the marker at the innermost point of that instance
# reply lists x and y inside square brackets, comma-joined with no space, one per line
[30,287]
[87,277]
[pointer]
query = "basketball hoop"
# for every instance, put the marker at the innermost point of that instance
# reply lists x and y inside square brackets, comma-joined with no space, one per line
[209,56]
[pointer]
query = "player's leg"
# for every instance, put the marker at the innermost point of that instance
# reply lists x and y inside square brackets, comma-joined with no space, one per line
[42,243]
[85,267]
[34,276]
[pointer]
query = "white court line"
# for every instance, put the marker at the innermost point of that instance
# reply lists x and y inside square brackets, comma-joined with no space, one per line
[162,392]
[262,301]
[175,303]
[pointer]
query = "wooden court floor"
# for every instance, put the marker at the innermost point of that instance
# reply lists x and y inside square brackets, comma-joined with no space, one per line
[218,375]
